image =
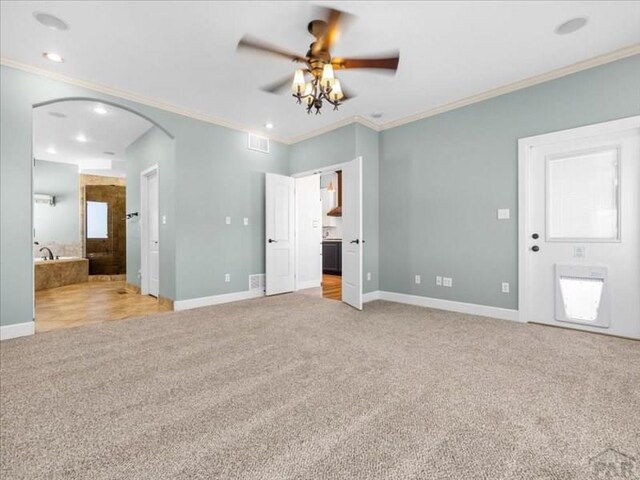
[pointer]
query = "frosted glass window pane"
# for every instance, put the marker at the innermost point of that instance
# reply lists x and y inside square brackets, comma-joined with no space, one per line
[582,196]
[581,297]
[97,217]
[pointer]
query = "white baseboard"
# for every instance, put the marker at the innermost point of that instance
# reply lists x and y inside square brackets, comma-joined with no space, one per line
[216,299]
[371,296]
[17,330]
[450,305]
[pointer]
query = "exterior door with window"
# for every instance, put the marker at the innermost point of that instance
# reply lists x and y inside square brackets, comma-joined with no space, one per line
[582,230]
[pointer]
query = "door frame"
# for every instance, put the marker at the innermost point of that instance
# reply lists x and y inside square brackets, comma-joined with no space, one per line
[144,227]
[320,171]
[526,146]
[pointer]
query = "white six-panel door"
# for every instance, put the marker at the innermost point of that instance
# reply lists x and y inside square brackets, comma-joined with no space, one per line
[352,241]
[153,211]
[150,231]
[280,231]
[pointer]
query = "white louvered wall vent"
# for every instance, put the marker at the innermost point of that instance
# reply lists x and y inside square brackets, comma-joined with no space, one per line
[256,282]
[259,144]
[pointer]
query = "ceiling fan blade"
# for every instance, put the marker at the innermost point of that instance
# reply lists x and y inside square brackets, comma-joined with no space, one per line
[389,63]
[279,86]
[335,20]
[260,46]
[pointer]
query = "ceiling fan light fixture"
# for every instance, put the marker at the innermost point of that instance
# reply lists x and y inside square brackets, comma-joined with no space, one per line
[298,84]
[328,78]
[323,88]
[336,91]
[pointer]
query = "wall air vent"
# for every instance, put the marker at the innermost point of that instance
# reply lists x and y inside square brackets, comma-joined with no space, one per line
[257,143]
[256,282]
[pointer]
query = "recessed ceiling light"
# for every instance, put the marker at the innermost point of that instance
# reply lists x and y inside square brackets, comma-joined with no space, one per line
[54,57]
[268,125]
[57,114]
[100,110]
[376,114]
[81,138]
[111,154]
[571,26]
[51,150]
[50,21]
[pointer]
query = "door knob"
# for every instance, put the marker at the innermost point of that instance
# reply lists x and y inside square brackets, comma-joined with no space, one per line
[271,240]
[356,241]
[535,248]
[535,236]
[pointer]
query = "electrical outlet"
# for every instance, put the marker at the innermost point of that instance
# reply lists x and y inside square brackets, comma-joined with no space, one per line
[505,287]
[246,221]
[164,219]
[368,276]
[447,282]
[227,220]
[439,280]
[418,279]
[227,277]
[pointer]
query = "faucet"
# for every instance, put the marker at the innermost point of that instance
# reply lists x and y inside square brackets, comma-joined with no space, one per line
[48,250]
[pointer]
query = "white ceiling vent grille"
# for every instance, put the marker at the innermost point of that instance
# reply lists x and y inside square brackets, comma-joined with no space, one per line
[257,143]
[256,282]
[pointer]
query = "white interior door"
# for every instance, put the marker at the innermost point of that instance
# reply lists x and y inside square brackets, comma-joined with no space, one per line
[308,232]
[279,230]
[581,239]
[352,241]
[153,213]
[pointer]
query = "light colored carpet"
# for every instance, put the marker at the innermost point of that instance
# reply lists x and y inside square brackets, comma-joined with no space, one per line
[296,387]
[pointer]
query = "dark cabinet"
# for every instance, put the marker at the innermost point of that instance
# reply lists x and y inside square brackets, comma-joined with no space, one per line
[332,257]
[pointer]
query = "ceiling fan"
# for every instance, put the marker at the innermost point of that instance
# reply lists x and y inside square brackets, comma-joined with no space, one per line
[319,65]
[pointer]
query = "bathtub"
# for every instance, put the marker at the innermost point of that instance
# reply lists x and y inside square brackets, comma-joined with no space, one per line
[59,272]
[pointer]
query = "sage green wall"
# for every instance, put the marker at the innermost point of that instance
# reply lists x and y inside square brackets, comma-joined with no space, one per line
[59,223]
[342,145]
[218,176]
[154,147]
[436,182]
[443,178]
[215,175]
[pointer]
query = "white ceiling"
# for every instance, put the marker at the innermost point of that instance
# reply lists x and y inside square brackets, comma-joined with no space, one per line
[184,53]
[110,132]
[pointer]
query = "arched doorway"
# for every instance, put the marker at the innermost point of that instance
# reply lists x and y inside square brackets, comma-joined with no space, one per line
[90,227]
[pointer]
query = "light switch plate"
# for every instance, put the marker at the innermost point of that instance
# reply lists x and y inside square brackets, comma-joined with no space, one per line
[418,280]
[227,277]
[505,287]
[504,214]
[368,276]
[227,220]
[439,280]
[246,221]
[447,282]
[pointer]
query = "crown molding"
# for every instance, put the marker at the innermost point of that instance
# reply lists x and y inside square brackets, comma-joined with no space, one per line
[496,92]
[134,97]
[335,126]
[519,85]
